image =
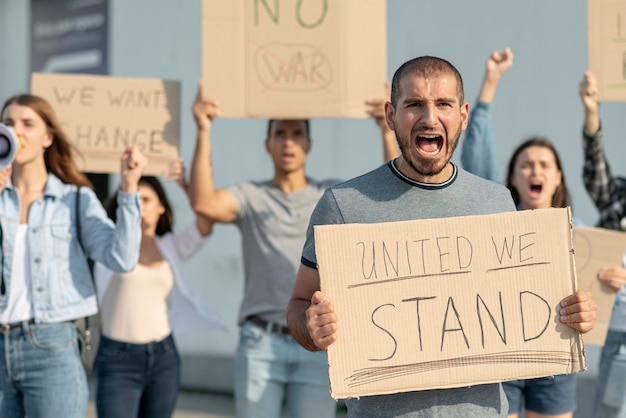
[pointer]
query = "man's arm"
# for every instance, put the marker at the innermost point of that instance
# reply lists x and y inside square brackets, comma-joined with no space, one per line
[376,110]
[478,153]
[218,205]
[310,315]
[175,171]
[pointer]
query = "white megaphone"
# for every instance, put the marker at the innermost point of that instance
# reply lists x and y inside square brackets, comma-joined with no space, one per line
[9,146]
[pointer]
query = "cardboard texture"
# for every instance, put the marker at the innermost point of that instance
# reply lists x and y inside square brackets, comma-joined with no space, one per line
[606,47]
[294,59]
[452,302]
[103,115]
[596,248]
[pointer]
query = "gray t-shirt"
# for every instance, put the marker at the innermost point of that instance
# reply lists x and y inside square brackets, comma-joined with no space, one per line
[386,195]
[273,227]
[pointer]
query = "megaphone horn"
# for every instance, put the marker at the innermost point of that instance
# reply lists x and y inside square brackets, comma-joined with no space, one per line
[9,145]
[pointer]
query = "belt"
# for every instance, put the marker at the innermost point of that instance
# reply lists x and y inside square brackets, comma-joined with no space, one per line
[5,328]
[269,326]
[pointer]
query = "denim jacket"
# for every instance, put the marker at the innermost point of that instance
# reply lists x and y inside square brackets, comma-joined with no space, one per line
[60,282]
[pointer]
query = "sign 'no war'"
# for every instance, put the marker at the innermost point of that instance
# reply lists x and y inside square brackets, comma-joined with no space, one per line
[294,58]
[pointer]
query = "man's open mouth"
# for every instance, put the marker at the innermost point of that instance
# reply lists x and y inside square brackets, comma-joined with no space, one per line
[429,144]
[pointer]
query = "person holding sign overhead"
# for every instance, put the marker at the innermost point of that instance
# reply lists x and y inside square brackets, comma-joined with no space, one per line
[427,112]
[272,216]
[536,180]
[609,195]
[45,282]
[138,366]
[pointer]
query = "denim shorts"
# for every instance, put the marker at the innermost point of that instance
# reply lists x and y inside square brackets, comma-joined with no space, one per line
[553,395]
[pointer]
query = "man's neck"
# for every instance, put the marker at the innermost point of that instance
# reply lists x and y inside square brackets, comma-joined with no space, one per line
[290,182]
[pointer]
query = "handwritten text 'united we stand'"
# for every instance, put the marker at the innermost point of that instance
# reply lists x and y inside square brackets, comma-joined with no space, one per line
[458,317]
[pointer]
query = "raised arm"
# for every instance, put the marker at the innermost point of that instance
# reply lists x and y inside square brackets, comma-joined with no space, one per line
[588,91]
[218,205]
[176,172]
[478,152]
[310,315]
[597,176]
[115,245]
[376,110]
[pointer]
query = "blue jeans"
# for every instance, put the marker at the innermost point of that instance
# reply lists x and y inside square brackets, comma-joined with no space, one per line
[41,372]
[269,367]
[611,383]
[137,380]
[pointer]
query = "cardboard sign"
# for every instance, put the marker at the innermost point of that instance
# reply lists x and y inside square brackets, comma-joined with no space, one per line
[596,248]
[104,115]
[452,302]
[606,46]
[294,58]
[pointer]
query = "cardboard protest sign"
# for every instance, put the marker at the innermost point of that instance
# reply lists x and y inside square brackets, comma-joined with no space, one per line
[293,58]
[103,115]
[596,248]
[452,302]
[606,46]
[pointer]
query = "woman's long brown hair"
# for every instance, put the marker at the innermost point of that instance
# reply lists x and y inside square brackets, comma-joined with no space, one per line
[59,155]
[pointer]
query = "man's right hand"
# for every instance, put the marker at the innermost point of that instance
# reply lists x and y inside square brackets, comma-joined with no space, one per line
[321,321]
[204,109]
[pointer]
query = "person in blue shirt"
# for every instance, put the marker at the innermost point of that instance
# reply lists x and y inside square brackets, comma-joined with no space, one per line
[45,282]
[536,180]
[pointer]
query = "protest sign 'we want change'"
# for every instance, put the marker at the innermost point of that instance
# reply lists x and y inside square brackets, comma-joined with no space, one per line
[103,115]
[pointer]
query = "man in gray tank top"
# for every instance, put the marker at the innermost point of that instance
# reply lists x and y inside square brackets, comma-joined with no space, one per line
[427,112]
[272,216]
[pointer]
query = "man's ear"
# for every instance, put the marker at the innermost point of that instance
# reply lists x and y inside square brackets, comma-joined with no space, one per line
[464,115]
[390,112]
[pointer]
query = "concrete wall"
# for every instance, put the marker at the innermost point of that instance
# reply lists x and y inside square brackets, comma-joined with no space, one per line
[161,38]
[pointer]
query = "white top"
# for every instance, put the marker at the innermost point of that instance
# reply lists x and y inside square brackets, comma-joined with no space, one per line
[186,311]
[134,307]
[20,307]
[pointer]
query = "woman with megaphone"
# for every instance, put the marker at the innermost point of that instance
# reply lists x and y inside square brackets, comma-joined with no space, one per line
[45,282]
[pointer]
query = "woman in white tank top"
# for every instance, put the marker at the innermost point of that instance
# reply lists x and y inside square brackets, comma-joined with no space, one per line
[137,366]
